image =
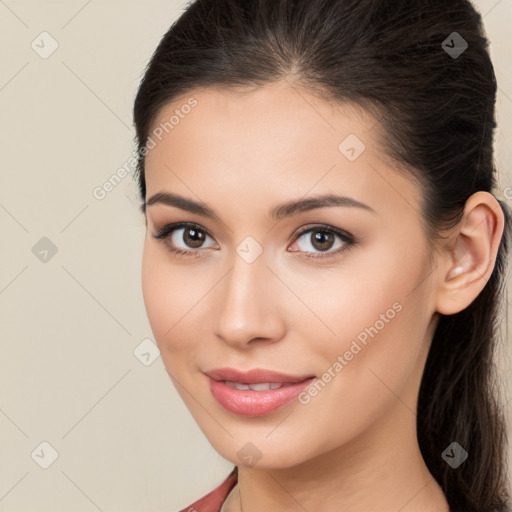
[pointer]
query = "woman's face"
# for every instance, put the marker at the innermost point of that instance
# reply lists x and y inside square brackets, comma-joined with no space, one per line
[352,307]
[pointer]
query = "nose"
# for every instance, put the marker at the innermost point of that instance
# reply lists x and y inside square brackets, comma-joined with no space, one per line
[248,305]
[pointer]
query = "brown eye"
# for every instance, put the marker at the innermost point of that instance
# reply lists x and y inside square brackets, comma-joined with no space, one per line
[322,239]
[193,238]
[183,238]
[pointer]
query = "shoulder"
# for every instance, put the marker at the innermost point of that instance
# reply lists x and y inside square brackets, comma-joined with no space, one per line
[212,501]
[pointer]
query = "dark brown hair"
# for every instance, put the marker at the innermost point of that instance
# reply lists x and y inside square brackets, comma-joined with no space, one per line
[437,112]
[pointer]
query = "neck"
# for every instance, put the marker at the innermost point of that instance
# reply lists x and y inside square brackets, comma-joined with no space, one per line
[360,476]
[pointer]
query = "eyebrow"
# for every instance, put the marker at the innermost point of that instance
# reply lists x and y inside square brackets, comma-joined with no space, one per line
[281,211]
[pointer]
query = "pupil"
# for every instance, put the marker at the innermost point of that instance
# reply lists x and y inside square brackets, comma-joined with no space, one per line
[321,238]
[196,239]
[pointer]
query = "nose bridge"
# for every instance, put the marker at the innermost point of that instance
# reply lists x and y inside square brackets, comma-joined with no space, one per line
[246,301]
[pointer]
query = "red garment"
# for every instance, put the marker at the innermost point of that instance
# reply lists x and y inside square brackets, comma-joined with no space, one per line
[212,502]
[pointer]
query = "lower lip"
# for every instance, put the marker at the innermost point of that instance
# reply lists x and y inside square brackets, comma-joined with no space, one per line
[255,403]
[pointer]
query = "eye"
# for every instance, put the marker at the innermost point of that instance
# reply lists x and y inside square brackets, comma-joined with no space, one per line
[322,238]
[191,235]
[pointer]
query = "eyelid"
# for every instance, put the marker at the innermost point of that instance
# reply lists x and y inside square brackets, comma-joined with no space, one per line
[168,229]
[347,239]
[327,228]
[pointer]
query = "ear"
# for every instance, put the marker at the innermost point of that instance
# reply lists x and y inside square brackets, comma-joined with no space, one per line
[469,257]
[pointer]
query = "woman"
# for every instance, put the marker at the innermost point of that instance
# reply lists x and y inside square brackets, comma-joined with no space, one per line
[325,254]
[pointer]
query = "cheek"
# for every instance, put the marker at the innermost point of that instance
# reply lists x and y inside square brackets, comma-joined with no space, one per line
[344,302]
[368,367]
[154,282]
[369,320]
[165,297]
[174,297]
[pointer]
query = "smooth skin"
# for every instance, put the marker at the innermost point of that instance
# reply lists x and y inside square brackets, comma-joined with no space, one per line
[353,446]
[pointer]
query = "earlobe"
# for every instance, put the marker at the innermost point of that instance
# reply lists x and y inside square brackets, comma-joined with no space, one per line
[472,253]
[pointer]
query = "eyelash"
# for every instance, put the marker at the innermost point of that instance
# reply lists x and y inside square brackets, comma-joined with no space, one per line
[349,240]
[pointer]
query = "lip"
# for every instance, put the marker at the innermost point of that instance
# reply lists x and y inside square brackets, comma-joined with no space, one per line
[254,403]
[255,376]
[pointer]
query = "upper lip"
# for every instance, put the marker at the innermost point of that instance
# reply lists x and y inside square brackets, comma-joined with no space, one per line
[255,376]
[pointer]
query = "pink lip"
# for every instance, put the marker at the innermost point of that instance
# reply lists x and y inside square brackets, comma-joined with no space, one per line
[254,403]
[254,376]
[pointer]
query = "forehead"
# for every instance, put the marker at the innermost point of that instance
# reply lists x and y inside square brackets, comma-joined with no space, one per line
[279,109]
[274,142]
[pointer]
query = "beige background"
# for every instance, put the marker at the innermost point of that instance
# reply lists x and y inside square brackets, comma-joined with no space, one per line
[69,326]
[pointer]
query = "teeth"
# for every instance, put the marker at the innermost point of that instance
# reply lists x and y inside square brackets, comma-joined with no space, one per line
[263,386]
